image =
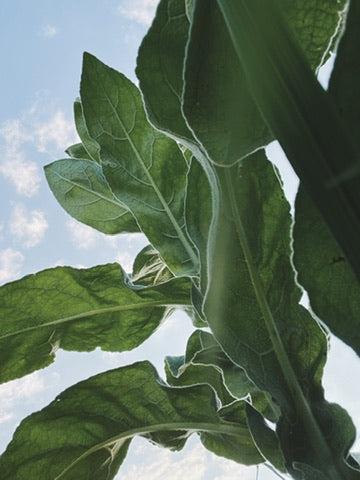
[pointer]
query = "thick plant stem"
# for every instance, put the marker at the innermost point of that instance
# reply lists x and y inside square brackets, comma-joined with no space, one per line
[303,410]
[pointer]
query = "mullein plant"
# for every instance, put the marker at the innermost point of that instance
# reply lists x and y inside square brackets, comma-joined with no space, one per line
[182,160]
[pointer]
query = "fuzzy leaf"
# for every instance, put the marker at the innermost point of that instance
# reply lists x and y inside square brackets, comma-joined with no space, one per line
[78,310]
[138,162]
[90,145]
[82,190]
[85,432]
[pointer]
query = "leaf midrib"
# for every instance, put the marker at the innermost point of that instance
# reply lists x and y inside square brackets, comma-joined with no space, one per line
[157,191]
[226,429]
[92,313]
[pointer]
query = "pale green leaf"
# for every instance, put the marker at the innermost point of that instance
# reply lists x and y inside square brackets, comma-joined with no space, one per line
[145,169]
[82,190]
[89,144]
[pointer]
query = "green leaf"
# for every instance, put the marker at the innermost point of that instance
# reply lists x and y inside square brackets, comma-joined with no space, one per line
[85,432]
[90,145]
[239,448]
[160,69]
[252,308]
[265,439]
[316,25]
[82,190]
[198,214]
[344,90]
[216,101]
[323,271]
[295,107]
[138,162]
[78,310]
[77,151]
[206,362]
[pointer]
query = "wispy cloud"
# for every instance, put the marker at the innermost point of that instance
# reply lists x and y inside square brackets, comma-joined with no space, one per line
[24,174]
[49,31]
[28,227]
[32,131]
[11,262]
[16,391]
[140,11]
[57,132]
[125,259]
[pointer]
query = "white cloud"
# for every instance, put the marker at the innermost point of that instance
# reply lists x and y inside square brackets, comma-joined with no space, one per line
[141,11]
[58,131]
[46,136]
[23,174]
[82,236]
[11,262]
[18,391]
[28,227]
[49,31]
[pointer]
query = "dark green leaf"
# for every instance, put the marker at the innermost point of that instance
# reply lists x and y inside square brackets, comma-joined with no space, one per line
[160,68]
[252,308]
[239,449]
[82,190]
[78,310]
[333,289]
[300,115]
[265,439]
[86,430]
[145,169]
[344,91]
[217,102]
[90,145]
[198,214]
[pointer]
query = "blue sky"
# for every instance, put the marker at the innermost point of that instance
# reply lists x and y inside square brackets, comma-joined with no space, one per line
[41,46]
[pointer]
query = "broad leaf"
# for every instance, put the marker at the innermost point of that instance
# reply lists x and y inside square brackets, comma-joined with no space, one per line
[333,289]
[145,169]
[345,78]
[240,449]
[265,439]
[160,69]
[90,145]
[82,190]
[218,104]
[205,362]
[85,432]
[78,310]
[198,214]
[299,113]
[252,308]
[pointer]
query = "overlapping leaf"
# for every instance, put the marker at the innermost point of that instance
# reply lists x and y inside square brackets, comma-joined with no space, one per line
[78,310]
[323,270]
[252,308]
[90,145]
[85,432]
[145,169]
[299,113]
[82,190]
